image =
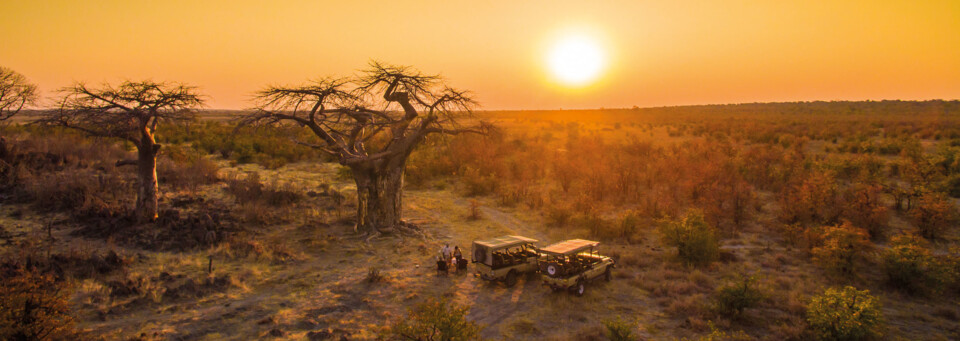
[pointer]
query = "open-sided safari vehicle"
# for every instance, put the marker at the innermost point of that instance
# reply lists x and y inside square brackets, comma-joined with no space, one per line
[572,263]
[505,258]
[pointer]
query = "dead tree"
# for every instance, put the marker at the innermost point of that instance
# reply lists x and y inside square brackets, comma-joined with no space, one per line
[16,92]
[370,123]
[130,111]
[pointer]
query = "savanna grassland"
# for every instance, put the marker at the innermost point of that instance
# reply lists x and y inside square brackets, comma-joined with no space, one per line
[787,221]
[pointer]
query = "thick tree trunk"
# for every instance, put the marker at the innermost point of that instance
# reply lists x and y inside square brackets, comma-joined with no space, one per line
[379,197]
[147,207]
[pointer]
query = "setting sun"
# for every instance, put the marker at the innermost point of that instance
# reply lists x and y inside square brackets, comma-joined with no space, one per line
[576,60]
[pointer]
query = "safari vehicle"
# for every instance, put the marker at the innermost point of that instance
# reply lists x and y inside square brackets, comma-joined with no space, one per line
[570,264]
[505,258]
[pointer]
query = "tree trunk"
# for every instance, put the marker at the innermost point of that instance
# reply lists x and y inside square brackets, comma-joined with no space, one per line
[379,197]
[3,148]
[147,206]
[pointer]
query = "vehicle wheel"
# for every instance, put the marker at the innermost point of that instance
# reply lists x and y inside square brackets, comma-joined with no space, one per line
[511,279]
[552,269]
[607,274]
[579,289]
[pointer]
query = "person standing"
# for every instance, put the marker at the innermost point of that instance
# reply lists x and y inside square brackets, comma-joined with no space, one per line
[445,252]
[458,258]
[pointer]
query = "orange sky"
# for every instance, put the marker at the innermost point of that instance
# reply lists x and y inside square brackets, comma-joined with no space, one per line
[660,52]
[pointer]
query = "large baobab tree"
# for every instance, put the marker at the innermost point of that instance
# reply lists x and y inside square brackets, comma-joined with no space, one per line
[130,111]
[16,92]
[370,123]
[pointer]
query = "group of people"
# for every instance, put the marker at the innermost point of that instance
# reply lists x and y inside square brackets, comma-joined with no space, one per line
[450,258]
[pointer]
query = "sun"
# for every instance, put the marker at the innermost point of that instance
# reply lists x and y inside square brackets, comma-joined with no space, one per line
[576,60]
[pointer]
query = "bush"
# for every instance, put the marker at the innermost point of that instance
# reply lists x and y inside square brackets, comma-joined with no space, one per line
[735,296]
[933,215]
[695,240]
[845,314]
[864,209]
[719,335]
[912,268]
[477,184]
[619,330]
[33,306]
[629,224]
[844,246]
[953,185]
[187,172]
[559,215]
[374,275]
[435,320]
[271,148]
[811,199]
[251,190]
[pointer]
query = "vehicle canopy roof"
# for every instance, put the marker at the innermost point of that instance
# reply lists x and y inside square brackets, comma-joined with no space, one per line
[569,247]
[504,242]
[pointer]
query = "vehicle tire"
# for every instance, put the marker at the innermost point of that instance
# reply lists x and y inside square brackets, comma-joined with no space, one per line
[579,289]
[552,269]
[607,274]
[511,279]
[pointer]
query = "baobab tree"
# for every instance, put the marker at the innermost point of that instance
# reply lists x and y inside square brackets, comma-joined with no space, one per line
[131,111]
[370,123]
[16,92]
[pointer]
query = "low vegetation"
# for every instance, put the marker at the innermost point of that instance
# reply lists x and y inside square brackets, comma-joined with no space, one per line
[845,314]
[619,330]
[912,268]
[436,320]
[801,196]
[733,297]
[33,306]
[696,241]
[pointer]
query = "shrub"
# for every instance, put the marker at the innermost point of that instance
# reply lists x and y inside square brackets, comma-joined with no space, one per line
[592,222]
[374,275]
[251,190]
[719,335]
[187,172]
[629,224]
[735,296]
[953,185]
[33,306]
[695,240]
[811,199]
[844,246]
[845,314]
[933,215]
[435,320]
[619,330]
[477,184]
[913,268]
[864,209]
[558,215]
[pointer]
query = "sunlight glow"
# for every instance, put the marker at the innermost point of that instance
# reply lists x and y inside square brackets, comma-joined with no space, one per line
[576,60]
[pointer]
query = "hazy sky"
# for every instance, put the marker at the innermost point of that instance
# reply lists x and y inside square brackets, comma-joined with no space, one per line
[657,52]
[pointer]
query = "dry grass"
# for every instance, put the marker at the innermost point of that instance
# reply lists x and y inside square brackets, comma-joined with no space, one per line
[298,267]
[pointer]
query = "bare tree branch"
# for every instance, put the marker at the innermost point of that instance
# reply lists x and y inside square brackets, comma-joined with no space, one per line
[130,111]
[16,92]
[338,110]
